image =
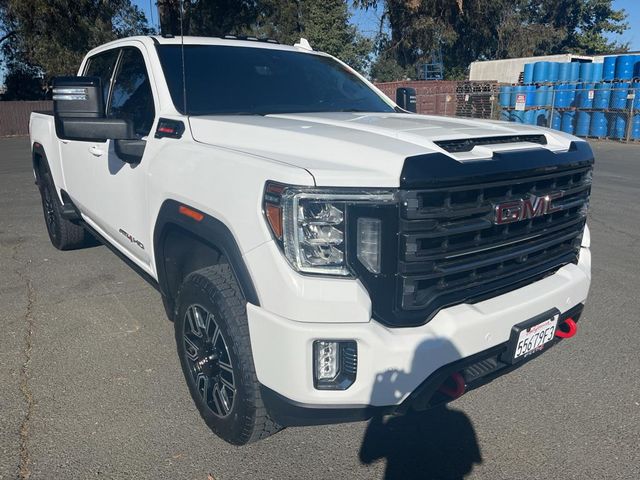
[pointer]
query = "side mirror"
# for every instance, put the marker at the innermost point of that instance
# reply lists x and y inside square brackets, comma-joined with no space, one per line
[78,109]
[406,99]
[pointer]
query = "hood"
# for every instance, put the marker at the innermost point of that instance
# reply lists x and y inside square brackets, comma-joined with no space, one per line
[338,147]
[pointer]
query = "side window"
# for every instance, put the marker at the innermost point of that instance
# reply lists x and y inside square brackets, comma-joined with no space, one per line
[131,97]
[102,65]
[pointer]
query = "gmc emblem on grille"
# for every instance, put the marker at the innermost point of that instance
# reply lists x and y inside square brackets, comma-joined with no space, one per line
[525,209]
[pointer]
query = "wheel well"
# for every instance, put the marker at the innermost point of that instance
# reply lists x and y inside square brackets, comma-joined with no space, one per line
[37,159]
[183,253]
[184,244]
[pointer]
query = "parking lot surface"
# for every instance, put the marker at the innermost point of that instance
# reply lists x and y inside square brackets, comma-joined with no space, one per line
[91,386]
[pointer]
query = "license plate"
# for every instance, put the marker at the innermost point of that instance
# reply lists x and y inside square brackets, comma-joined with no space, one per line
[532,336]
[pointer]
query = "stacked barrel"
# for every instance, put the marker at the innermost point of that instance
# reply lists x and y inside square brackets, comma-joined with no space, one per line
[587,99]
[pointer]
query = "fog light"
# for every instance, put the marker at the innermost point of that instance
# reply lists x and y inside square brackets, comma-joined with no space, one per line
[335,363]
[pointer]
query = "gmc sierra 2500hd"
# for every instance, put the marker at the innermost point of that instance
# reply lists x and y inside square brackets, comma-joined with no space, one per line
[325,255]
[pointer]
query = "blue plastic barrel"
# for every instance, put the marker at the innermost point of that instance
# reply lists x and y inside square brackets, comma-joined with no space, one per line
[504,97]
[574,71]
[596,74]
[554,70]
[602,95]
[564,71]
[517,116]
[598,127]
[619,91]
[583,120]
[617,126]
[556,120]
[635,128]
[609,68]
[586,72]
[624,67]
[635,86]
[527,76]
[515,91]
[541,72]
[571,94]
[551,94]
[584,95]
[541,94]
[505,115]
[530,117]
[568,119]
[561,95]
[530,91]
[541,117]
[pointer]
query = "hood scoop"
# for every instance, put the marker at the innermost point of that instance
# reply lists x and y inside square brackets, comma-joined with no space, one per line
[468,144]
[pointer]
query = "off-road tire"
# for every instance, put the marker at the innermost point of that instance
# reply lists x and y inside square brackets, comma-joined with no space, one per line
[63,233]
[214,290]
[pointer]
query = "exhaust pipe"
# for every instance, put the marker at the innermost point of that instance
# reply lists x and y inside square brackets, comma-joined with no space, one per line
[567,329]
[458,387]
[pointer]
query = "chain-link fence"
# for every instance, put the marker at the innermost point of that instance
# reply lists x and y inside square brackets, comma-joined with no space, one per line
[601,110]
[596,110]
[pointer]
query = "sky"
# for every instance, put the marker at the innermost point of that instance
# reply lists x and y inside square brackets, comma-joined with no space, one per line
[632,35]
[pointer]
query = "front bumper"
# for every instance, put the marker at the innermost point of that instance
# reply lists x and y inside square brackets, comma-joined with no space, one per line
[395,363]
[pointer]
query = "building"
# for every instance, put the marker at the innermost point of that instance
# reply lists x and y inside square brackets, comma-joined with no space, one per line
[509,70]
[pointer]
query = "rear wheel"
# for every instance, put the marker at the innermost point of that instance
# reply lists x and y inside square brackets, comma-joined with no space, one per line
[63,233]
[212,337]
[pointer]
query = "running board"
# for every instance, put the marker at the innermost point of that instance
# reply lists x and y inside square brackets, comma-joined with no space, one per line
[68,210]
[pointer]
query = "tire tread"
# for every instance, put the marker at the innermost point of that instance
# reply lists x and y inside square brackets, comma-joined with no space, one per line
[219,284]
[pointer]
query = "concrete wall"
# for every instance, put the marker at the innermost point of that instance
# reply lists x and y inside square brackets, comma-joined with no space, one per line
[508,70]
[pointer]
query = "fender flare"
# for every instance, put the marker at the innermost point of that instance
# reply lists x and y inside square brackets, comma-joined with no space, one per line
[38,150]
[211,232]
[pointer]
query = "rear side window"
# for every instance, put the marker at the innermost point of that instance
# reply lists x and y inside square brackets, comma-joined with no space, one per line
[131,97]
[102,65]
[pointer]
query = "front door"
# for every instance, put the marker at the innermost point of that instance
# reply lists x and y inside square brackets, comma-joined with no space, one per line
[114,194]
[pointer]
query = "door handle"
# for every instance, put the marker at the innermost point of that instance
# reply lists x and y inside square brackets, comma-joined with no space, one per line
[96,151]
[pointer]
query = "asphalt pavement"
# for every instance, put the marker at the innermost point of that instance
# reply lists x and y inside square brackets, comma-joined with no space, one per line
[91,387]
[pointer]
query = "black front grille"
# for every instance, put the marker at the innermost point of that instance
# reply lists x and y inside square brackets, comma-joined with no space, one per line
[451,250]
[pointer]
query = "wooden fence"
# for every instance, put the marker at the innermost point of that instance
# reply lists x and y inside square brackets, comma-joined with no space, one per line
[14,116]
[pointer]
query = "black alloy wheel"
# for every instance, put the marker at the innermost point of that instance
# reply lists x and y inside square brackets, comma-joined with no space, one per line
[207,355]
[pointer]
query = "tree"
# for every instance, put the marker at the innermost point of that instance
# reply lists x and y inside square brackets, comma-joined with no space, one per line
[54,35]
[325,24]
[207,17]
[469,30]
[22,83]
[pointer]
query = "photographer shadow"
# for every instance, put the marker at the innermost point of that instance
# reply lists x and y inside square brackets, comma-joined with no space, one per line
[440,443]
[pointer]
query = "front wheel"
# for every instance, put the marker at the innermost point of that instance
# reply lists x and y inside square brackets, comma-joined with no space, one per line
[212,337]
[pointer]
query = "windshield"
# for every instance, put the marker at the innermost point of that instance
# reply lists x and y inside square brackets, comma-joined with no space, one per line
[258,81]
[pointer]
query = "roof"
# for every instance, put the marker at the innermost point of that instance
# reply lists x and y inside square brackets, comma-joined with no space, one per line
[190,40]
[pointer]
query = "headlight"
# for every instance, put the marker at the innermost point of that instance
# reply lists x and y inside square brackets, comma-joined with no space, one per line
[310,224]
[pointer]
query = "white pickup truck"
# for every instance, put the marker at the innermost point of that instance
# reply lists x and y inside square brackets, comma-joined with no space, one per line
[325,255]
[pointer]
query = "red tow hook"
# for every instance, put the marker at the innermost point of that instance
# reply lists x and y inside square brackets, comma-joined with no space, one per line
[572,329]
[456,391]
